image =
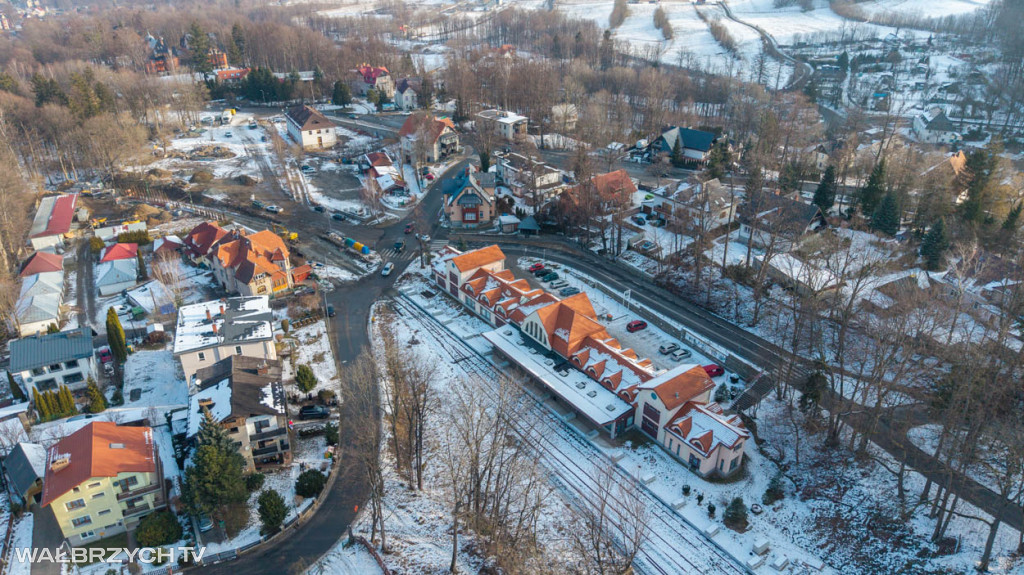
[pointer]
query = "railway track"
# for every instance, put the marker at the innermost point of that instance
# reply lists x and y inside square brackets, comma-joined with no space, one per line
[673,546]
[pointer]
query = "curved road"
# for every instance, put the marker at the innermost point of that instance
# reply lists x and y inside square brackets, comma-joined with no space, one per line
[802,71]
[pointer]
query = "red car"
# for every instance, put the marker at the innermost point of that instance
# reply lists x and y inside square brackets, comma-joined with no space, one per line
[535,267]
[430,176]
[714,370]
[105,355]
[636,325]
[409,228]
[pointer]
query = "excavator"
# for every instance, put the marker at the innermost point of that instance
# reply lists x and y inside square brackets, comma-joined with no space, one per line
[286,235]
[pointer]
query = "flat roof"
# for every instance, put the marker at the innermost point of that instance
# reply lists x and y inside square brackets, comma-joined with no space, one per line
[585,395]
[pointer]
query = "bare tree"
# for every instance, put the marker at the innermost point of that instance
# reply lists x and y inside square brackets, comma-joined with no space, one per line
[610,528]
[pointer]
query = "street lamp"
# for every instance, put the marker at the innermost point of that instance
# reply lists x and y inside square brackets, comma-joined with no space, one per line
[264,96]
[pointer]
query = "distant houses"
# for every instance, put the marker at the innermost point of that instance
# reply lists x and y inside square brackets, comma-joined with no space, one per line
[52,222]
[507,125]
[428,138]
[368,77]
[933,127]
[469,199]
[694,145]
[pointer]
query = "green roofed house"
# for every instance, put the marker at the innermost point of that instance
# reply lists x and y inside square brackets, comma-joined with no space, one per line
[46,361]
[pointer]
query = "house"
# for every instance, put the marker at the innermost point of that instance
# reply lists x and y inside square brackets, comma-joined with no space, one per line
[252,264]
[374,78]
[41,263]
[309,128]
[24,469]
[469,199]
[42,293]
[47,361]
[162,60]
[805,278]
[35,314]
[217,58]
[211,331]
[770,219]
[528,176]
[116,276]
[695,145]
[507,125]
[406,93]
[245,395]
[231,75]
[564,118]
[508,224]
[375,160]
[119,252]
[691,201]
[933,127]
[109,233]
[168,244]
[201,240]
[563,345]
[52,222]
[426,138]
[102,480]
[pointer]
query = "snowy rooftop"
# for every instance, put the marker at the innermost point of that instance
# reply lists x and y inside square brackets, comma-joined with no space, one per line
[153,297]
[216,399]
[582,393]
[218,322]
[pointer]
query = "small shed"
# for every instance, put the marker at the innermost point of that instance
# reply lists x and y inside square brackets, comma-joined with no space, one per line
[529,226]
[508,224]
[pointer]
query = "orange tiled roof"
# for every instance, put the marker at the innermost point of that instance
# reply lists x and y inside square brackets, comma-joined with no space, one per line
[684,387]
[478,258]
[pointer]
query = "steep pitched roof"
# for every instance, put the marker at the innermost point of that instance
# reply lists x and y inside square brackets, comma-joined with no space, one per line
[307,118]
[253,254]
[25,464]
[679,385]
[100,449]
[54,216]
[425,121]
[203,237]
[371,73]
[692,139]
[41,262]
[477,258]
[779,214]
[705,427]
[614,185]
[119,252]
[117,271]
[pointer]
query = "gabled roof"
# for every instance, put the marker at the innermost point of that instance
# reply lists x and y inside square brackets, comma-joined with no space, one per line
[705,427]
[218,322]
[54,216]
[307,118]
[100,449]
[425,122]
[119,252]
[250,255]
[778,214]
[615,185]
[478,258]
[376,159]
[38,308]
[117,271]
[235,387]
[404,84]
[203,237]
[371,73]
[46,283]
[41,262]
[25,464]
[46,349]
[691,139]
[937,121]
[679,385]
[169,242]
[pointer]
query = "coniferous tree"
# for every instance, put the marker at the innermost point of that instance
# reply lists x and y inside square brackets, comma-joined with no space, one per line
[718,160]
[485,160]
[886,218]
[199,49]
[934,245]
[677,152]
[305,378]
[16,391]
[341,95]
[1013,218]
[215,477]
[41,407]
[52,328]
[97,402]
[115,336]
[872,192]
[825,194]
[143,272]
[272,510]
[67,401]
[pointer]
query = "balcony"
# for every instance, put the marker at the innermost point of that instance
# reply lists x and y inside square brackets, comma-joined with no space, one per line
[270,450]
[136,492]
[276,432]
[138,509]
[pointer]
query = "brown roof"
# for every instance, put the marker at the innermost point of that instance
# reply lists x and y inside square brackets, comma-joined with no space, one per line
[425,120]
[250,255]
[478,258]
[41,262]
[614,185]
[100,449]
[203,237]
[684,387]
[308,118]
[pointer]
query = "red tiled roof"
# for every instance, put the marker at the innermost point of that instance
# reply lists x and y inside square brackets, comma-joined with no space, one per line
[371,73]
[376,159]
[100,449]
[41,262]
[684,387]
[60,218]
[203,237]
[614,185]
[425,120]
[120,252]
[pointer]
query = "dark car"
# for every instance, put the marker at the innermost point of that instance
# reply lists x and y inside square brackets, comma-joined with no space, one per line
[549,277]
[568,291]
[714,370]
[541,272]
[330,311]
[636,325]
[319,209]
[314,412]
[399,245]
[338,217]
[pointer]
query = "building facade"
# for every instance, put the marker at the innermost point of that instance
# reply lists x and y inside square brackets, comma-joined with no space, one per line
[47,361]
[310,129]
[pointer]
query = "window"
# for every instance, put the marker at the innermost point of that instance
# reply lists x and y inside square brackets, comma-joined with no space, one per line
[46,385]
[694,462]
[81,521]
[56,367]
[734,463]
[238,350]
[76,504]
[202,356]
[87,534]
[76,489]
[94,485]
[469,216]
[127,483]
[73,378]
[104,512]
[721,464]
[38,371]
[99,494]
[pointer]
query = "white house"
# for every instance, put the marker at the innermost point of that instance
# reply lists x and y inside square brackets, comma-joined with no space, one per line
[508,125]
[406,94]
[310,128]
[46,361]
[933,127]
[114,276]
[211,331]
[525,175]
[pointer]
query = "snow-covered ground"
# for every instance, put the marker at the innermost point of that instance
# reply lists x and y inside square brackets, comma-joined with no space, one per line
[154,373]
[22,539]
[314,349]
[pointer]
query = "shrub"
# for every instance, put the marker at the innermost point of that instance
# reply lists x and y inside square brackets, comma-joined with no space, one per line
[331,433]
[686,490]
[96,245]
[736,514]
[310,483]
[285,325]
[157,529]
[711,510]
[254,482]
[140,237]
[775,490]
[272,510]
[305,378]
[325,395]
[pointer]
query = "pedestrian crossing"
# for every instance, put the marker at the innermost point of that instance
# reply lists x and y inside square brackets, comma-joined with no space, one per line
[410,251]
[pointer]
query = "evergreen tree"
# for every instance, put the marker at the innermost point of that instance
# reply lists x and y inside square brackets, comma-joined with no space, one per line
[843,61]
[341,95]
[199,49]
[310,483]
[97,402]
[886,218]
[975,178]
[718,160]
[427,93]
[331,433]
[143,272]
[67,401]
[16,391]
[485,160]
[215,477]
[677,152]
[373,97]
[52,328]
[825,194]
[41,407]
[1012,218]
[736,514]
[238,43]
[872,192]
[115,336]
[934,245]
[47,91]
[272,510]
[305,378]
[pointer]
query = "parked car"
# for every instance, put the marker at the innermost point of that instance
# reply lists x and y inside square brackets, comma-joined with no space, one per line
[423,237]
[714,370]
[657,223]
[565,292]
[352,116]
[314,412]
[307,169]
[541,272]
[108,368]
[386,270]
[319,209]
[430,177]
[399,245]
[264,138]
[228,134]
[258,204]
[639,220]
[274,209]
[680,354]
[337,216]
[205,523]
[558,284]
[668,348]
[549,277]
[409,228]
[535,267]
[636,325]
[330,311]
[105,355]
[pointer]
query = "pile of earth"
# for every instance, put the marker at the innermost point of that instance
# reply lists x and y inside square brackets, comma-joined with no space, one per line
[210,152]
[153,216]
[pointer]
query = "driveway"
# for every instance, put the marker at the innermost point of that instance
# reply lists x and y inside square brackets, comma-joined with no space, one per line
[45,533]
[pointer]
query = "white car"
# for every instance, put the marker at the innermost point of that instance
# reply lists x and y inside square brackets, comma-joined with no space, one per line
[274,209]
[386,271]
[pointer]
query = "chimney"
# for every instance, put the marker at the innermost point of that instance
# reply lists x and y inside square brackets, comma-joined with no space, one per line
[215,333]
[209,317]
[262,368]
[222,309]
[60,463]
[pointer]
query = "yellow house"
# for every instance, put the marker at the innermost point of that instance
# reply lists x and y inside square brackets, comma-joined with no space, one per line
[102,480]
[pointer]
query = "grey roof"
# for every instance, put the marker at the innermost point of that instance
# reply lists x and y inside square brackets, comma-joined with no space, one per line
[777,214]
[39,350]
[242,324]
[692,139]
[940,123]
[116,272]
[248,386]
[25,464]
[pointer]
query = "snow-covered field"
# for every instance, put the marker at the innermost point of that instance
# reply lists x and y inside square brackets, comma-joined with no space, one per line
[314,349]
[154,373]
[22,539]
